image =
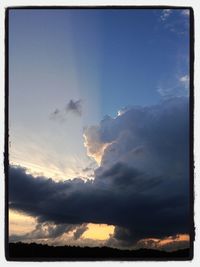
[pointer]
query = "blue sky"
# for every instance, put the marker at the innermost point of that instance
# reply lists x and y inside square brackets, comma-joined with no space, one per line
[108,59]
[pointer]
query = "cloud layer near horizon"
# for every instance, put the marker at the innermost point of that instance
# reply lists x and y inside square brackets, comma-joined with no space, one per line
[141,186]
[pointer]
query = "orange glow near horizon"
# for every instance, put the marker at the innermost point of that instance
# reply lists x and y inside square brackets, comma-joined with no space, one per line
[99,231]
[20,224]
[167,240]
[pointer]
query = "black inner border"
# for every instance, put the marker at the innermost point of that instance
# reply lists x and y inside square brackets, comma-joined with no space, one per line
[6,133]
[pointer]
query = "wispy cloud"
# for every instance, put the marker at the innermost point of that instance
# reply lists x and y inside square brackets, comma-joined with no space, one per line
[165,14]
[175,21]
[184,80]
[57,115]
[179,87]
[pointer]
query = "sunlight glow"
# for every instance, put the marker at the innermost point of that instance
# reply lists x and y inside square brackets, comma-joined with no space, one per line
[99,231]
[20,223]
[167,240]
[52,172]
[97,154]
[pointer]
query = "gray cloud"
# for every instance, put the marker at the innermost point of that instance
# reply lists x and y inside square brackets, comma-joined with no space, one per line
[80,231]
[42,231]
[141,187]
[57,115]
[74,107]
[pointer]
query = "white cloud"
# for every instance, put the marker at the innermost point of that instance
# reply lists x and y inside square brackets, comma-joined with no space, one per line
[176,87]
[92,142]
[184,80]
[165,14]
[165,92]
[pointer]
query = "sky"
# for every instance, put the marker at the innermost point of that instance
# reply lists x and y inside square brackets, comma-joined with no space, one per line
[98,127]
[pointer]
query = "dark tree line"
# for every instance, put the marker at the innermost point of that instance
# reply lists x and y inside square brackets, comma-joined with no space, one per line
[22,251]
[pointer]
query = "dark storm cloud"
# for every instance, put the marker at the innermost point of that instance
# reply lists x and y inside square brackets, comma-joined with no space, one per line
[74,107]
[141,186]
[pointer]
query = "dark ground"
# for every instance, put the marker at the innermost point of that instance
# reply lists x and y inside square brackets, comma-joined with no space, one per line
[36,252]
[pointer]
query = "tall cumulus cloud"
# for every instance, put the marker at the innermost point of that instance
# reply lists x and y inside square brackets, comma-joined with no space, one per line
[141,186]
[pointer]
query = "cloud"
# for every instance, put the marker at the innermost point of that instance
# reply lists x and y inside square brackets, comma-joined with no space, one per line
[95,148]
[74,107]
[42,231]
[175,20]
[168,243]
[141,186]
[78,233]
[57,115]
[184,80]
[165,14]
[56,112]
[180,88]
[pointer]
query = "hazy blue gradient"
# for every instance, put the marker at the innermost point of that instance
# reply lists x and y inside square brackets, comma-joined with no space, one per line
[109,59]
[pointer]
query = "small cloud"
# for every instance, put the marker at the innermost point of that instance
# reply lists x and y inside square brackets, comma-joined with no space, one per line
[57,115]
[56,112]
[184,80]
[165,14]
[74,107]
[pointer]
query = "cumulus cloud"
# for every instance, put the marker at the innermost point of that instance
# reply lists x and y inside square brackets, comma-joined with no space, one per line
[95,148]
[141,186]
